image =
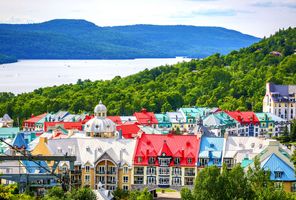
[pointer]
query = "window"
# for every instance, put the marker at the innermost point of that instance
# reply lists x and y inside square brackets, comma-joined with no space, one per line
[151,180]
[176,161]
[87,178]
[216,161]
[176,171]
[125,179]
[278,185]
[176,181]
[278,174]
[189,160]
[164,170]
[87,169]
[189,172]
[102,179]
[125,188]
[140,159]
[164,161]
[151,170]
[203,161]
[139,170]
[189,181]
[138,180]
[293,187]
[101,170]
[125,170]
[164,181]
[151,160]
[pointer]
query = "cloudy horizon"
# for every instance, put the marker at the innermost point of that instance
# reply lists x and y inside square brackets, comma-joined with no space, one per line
[254,17]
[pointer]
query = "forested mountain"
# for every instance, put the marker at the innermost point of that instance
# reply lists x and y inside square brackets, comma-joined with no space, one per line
[80,39]
[234,81]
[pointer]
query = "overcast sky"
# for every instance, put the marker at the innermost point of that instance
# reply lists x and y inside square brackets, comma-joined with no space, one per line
[255,17]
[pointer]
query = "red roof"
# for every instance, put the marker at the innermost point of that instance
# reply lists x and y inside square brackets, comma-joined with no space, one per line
[145,118]
[181,146]
[35,119]
[65,125]
[248,117]
[129,130]
[115,119]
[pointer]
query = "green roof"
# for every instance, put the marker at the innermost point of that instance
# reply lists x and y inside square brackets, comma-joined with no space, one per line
[9,132]
[162,118]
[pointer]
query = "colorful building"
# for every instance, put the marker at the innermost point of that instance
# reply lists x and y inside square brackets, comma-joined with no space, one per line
[220,123]
[163,122]
[165,161]
[211,151]
[146,118]
[280,100]
[247,123]
[32,123]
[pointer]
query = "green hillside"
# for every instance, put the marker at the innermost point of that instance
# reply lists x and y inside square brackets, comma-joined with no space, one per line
[234,81]
[80,39]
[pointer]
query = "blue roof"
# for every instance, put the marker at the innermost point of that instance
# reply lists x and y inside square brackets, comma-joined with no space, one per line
[19,141]
[274,164]
[211,147]
[33,167]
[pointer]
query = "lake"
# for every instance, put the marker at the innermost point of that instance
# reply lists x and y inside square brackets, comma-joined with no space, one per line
[27,75]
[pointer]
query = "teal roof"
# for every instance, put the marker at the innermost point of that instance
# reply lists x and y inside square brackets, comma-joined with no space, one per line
[9,132]
[246,162]
[162,118]
[218,119]
[274,164]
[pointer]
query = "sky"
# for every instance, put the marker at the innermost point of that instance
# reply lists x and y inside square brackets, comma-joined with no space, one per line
[255,17]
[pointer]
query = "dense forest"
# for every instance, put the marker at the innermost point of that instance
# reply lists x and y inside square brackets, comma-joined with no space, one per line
[80,39]
[7,59]
[234,81]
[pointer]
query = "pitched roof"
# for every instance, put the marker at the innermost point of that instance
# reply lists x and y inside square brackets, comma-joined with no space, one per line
[19,141]
[244,117]
[129,130]
[162,118]
[35,118]
[115,119]
[176,117]
[89,149]
[173,145]
[145,117]
[274,164]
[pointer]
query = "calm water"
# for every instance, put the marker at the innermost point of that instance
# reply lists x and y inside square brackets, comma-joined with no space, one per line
[27,75]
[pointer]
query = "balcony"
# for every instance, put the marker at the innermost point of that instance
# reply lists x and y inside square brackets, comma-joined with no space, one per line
[139,182]
[139,171]
[111,172]
[74,172]
[111,182]
[100,172]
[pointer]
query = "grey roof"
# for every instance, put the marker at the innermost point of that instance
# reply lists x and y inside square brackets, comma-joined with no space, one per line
[283,90]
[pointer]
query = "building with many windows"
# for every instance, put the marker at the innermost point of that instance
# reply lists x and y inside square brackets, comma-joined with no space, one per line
[165,161]
[280,100]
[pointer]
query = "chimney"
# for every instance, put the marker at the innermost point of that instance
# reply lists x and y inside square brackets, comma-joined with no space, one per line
[96,154]
[120,134]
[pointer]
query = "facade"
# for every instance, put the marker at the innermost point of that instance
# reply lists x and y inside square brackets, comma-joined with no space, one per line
[31,124]
[247,123]
[6,121]
[220,123]
[100,161]
[276,159]
[238,149]
[164,161]
[271,124]
[178,121]
[280,100]
[210,152]
[164,122]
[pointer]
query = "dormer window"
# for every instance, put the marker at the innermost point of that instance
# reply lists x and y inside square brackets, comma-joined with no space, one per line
[177,161]
[278,174]
[189,160]
[151,160]
[252,145]
[140,159]
[212,145]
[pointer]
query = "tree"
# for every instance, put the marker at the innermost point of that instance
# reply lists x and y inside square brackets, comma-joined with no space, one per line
[186,194]
[120,194]
[145,195]
[84,193]
[293,131]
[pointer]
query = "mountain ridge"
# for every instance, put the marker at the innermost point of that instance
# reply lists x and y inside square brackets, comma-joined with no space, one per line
[80,39]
